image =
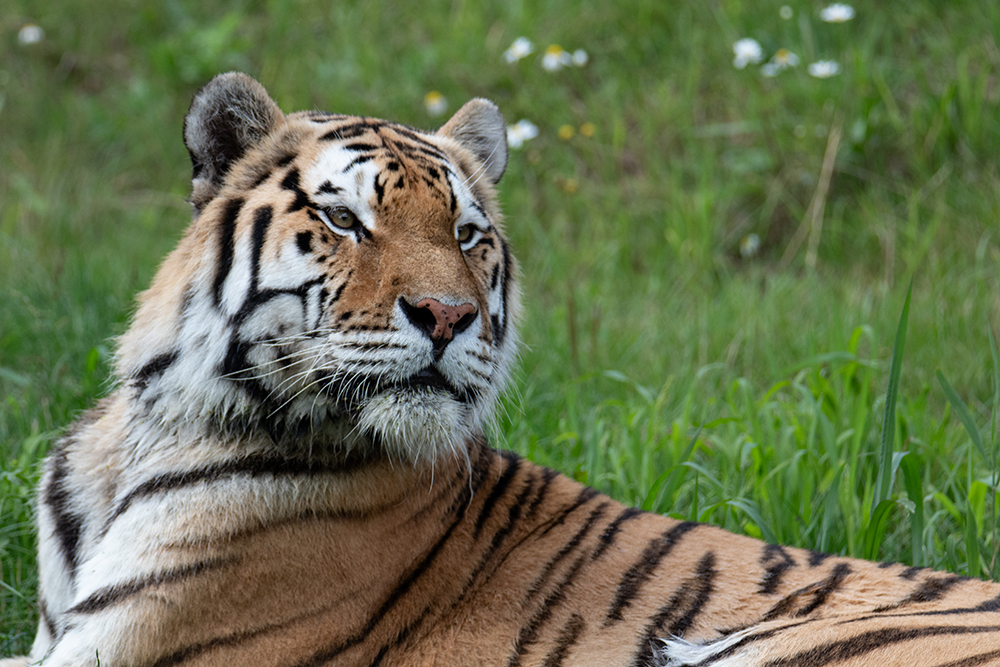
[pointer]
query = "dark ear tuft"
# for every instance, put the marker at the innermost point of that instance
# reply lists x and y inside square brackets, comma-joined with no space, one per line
[478,126]
[229,115]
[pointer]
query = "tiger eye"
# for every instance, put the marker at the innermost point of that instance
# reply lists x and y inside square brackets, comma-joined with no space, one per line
[343,218]
[464,233]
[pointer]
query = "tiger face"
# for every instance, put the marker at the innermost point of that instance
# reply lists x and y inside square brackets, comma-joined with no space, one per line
[352,290]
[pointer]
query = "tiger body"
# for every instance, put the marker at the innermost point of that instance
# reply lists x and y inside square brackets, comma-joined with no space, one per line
[292,468]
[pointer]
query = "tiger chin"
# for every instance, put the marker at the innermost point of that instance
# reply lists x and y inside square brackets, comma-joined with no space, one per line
[291,469]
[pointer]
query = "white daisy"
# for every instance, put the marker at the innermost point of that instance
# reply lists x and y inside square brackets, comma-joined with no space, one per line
[747,51]
[555,58]
[780,61]
[838,12]
[824,69]
[521,47]
[519,132]
[435,103]
[749,245]
[786,12]
[30,34]
[580,57]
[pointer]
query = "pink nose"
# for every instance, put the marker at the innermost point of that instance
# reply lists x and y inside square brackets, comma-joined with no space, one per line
[448,320]
[438,321]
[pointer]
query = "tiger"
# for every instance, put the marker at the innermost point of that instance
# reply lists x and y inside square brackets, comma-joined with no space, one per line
[292,467]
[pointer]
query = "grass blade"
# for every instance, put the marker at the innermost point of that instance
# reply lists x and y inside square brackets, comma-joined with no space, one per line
[963,414]
[883,482]
[915,491]
[875,531]
[673,476]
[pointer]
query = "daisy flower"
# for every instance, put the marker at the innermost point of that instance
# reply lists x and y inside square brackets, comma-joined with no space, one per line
[555,58]
[782,60]
[566,132]
[580,57]
[749,245]
[786,12]
[521,47]
[747,50]
[824,69]
[30,34]
[838,12]
[519,132]
[435,103]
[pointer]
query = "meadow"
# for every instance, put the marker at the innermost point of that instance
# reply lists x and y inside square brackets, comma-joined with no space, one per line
[715,259]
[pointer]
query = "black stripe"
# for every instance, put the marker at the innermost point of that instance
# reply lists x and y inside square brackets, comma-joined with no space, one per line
[422,144]
[832,583]
[361,146]
[611,532]
[154,366]
[340,290]
[227,248]
[67,524]
[567,637]
[328,188]
[500,328]
[701,587]
[684,606]
[45,618]
[261,223]
[777,561]
[361,159]
[816,558]
[528,634]
[291,182]
[819,590]
[973,660]
[494,276]
[910,572]
[867,642]
[585,496]
[991,605]
[352,130]
[510,470]
[642,570]
[566,549]
[304,242]
[253,466]
[112,595]
[930,589]
[547,475]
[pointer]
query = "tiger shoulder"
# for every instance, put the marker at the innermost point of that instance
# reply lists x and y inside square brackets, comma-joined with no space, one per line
[292,469]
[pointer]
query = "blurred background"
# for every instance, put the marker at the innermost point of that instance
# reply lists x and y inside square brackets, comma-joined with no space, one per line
[718,208]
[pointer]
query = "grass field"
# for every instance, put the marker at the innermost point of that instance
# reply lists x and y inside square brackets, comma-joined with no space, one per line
[661,364]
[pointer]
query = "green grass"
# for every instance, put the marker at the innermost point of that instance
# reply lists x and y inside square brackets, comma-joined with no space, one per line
[659,365]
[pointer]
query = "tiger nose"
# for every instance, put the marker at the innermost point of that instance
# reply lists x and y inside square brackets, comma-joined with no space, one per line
[438,321]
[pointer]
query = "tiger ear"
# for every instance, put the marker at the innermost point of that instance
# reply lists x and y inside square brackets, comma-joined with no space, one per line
[228,116]
[479,128]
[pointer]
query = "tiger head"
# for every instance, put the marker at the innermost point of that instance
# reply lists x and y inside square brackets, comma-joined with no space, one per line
[344,285]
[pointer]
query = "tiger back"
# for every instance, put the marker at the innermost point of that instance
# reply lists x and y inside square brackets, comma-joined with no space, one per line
[291,469]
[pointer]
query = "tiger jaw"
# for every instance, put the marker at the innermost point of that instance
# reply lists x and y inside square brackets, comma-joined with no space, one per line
[416,423]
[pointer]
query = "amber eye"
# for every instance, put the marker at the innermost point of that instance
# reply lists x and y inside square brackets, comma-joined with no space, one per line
[341,217]
[463,233]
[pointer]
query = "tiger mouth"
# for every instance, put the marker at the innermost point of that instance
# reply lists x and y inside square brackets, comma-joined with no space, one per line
[431,378]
